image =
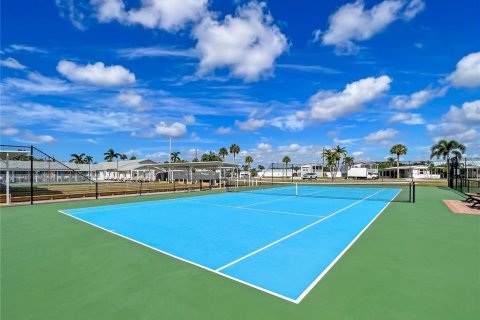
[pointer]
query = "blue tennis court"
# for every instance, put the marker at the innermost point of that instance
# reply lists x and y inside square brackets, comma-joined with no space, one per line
[277,241]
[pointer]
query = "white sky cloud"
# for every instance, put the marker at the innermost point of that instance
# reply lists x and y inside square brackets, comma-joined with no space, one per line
[407,118]
[12,63]
[156,51]
[131,99]
[250,124]
[353,22]
[247,43]
[30,137]
[96,74]
[189,119]
[417,99]
[224,130]
[383,135]
[174,130]
[169,15]
[37,83]
[467,73]
[331,105]
[9,131]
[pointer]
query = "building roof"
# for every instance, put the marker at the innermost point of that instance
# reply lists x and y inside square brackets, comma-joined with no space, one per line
[126,165]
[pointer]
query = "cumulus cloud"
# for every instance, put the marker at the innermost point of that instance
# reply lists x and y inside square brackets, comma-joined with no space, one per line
[264,147]
[468,113]
[131,99]
[189,119]
[224,130]
[174,130]
[383,135]
[358,154]
[12,63]
[250,124]
[247,43]
[467,73]
[417,99]
[353,22]
[169,15]
[330,105]
[290,123]
[407,118]
[96,74]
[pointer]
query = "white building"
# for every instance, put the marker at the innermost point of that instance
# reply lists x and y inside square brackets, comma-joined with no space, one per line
[415,172]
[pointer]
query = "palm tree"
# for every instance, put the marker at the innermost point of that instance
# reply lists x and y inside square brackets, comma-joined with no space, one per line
[332,157]
[341,152]
[175,156]
[123,157]
[234,149]
[390,161]
[286,160]
[77,158]
[89,160]
[110,155]
[248,161]
[133,157]
[211,156]
[398,149]
[260,167]
[443,149]
[223,152]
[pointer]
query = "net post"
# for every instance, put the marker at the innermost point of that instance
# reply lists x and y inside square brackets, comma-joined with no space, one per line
[31,174]
[174,185]
[141,184]
[96,190]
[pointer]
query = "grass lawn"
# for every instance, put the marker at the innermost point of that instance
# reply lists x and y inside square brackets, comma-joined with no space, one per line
[416,261]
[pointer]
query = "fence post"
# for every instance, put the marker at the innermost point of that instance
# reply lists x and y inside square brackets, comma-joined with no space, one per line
[31,174]
[174,186]
[272,171]
[141,183]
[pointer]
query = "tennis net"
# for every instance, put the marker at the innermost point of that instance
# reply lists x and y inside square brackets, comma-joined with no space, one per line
[380,191]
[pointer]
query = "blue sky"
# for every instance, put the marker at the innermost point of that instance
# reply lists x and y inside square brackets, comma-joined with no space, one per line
[277,77]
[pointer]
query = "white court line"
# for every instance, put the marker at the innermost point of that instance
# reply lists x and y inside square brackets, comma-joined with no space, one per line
[282,198]
[324,272]
[294,233]
[182,259]
[140,203]
[254,209]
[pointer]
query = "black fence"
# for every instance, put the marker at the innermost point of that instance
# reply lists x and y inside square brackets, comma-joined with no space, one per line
[35,176]
[464,174]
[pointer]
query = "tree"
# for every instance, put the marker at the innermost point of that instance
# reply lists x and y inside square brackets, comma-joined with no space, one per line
[260,167]
[123,157]
[390,162]
[398,149]
[341,152]
[443,149]
[88,159]
[296,169]
[222,153]
[234,149]
[245,167]
[133,157]
[253,172]
[175,156]
[248,161]
[286,160]
[77,158]
[332,158]
[110,155]
[211,156]
[348,162]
